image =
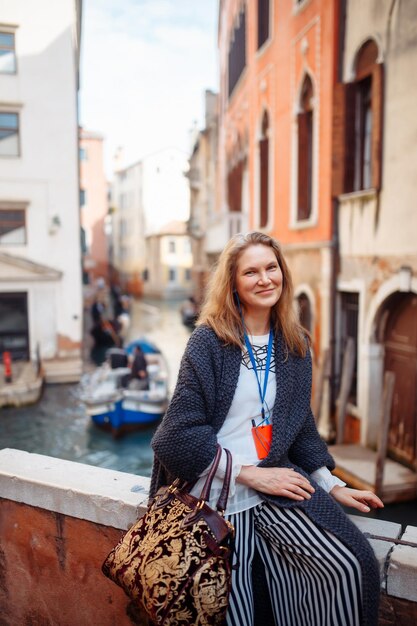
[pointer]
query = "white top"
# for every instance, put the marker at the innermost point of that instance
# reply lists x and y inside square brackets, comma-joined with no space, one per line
[236,432]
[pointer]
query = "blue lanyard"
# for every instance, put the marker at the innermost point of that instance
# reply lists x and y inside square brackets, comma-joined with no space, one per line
[262,393]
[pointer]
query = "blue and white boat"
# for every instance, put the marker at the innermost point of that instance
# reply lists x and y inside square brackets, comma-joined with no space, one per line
[112,405]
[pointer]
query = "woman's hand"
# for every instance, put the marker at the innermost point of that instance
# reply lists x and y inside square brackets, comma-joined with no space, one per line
[276,481]
[361,500]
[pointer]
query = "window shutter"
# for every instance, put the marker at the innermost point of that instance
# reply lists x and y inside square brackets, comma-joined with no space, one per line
[350,112]
[264,181]
[343,149]
[302,165]
[234,187]
[303,196]
[338,133]
[377,123]
[263,21]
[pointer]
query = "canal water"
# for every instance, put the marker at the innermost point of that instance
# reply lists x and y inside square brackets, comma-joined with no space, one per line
[58,426]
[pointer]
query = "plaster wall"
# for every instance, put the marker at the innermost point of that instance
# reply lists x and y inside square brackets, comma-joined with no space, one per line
[94,212]
[377,230]
[166,194]
[128,226]
[45,175]
[387,227]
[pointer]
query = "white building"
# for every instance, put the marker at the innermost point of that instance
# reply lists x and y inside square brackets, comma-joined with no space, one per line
[128,228]
[203,186]
[146,196]
[165,189]
[40,256]
[169,260]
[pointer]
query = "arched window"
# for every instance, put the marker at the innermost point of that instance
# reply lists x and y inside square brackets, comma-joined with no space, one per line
[264,172]
[304,311]
[357,125]
[305,151]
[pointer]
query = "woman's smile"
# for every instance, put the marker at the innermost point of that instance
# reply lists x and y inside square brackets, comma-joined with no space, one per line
[258,278]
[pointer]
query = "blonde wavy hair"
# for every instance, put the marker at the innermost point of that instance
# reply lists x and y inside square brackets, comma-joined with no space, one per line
[220,311]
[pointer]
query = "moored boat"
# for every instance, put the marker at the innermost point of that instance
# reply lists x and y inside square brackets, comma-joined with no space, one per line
[113,402]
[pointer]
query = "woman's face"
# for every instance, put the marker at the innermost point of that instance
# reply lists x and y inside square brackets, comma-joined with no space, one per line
[258,279]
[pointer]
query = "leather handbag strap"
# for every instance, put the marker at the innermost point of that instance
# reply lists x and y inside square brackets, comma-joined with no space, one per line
[222,501]
[205,493]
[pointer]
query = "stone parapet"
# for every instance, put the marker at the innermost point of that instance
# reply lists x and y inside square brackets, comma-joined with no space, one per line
[59,520]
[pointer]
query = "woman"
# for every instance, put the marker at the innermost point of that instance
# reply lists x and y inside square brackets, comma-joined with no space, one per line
[248,365]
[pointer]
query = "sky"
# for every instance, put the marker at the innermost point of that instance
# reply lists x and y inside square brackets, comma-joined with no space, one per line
[145,65]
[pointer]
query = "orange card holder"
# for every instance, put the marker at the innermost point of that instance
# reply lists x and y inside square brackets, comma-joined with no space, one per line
[262,436]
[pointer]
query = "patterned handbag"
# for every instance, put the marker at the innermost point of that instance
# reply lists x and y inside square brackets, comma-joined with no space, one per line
[176,560]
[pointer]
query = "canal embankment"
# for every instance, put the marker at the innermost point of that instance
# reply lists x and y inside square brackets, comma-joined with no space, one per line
[59,519]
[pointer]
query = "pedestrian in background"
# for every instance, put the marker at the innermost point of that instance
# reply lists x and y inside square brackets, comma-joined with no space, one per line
[245,383]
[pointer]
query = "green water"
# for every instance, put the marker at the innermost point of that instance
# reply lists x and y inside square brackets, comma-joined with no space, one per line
[58,426]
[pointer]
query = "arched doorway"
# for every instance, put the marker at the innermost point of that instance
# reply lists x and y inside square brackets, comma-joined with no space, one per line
[400,342]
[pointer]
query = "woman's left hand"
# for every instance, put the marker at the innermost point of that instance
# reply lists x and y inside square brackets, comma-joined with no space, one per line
[357,499]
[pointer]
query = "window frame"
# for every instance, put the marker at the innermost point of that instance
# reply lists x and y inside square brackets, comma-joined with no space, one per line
[11,111]
[6,206]
[300,113]
[172,248]
[9,30]
[83,197]
[363,166]
[348,133]
[83,154]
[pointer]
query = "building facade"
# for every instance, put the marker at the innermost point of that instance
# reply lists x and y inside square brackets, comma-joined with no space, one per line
[94,206]
[316,128]
[277,75]
[40,253]
[128,228]
[374,185]
[167,274]
[202,180]
[145,197]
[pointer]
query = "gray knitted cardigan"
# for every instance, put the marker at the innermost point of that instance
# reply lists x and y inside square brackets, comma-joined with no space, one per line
[185,442]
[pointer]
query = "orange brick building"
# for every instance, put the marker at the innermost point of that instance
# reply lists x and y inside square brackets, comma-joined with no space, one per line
[278,66]
[94,206]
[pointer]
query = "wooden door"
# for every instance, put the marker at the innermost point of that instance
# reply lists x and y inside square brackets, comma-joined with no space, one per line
[401,358]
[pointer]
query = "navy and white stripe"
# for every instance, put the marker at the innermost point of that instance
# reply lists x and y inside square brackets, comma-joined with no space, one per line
[312,577]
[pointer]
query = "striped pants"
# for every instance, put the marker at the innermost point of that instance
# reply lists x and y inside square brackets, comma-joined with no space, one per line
[313,579]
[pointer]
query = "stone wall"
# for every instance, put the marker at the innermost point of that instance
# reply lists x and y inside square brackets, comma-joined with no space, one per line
[59,520]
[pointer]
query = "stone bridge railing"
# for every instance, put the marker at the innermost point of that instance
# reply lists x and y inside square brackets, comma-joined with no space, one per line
[59,519]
